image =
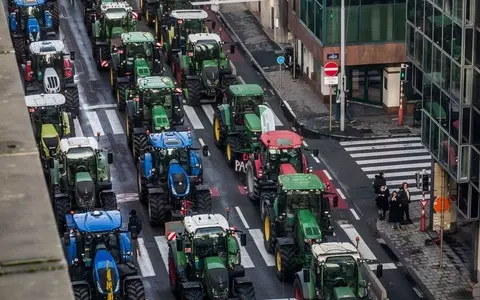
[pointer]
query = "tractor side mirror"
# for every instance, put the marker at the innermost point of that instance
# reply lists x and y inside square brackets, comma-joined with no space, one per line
[306,275]
[179,242]
[335,201]
[232,48]
[51,163]
[214,24]
[243,239]
[66,238]
[110,158]
[379,271]
[72,55]
[315,152]
[205,150]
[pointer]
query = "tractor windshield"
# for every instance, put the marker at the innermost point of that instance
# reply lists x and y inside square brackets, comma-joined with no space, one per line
[285,156]
[191,26]
[48,115]
[340,271]
[140,50]
[33,12]
[81,159]
[248,104]
[169,154]
[158,96]
[207,50]
[210,241]
[302,200]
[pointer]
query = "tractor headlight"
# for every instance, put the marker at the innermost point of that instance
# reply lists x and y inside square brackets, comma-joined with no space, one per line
[198,166]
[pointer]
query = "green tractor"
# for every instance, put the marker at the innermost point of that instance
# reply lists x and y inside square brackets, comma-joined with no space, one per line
[297,216]
[80,178]
[204,259]
[204,69]
[114,19]
[50,123]
[239,122]
[182,23]
[156,106]
[136,56]
[334,274]
[157,13]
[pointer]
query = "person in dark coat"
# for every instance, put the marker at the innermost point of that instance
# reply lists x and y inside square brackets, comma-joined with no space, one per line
[134,227]
[404,197]
[378,182]
[382,201]
[395,214]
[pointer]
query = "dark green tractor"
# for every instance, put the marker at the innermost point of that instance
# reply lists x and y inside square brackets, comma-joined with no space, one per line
[204,69]
[157,13]
[295,217]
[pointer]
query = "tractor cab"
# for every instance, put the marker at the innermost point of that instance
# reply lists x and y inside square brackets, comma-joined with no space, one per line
[115,19]
[32,19]
[244,101]
[183,23]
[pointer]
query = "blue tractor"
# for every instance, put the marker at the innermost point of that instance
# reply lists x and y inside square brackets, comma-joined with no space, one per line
[99,256]
[29,21]
[170,177]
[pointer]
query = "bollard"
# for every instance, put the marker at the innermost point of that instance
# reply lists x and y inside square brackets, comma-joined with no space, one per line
[423,217]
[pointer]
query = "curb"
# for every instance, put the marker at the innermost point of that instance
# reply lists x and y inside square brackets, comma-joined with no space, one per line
[407,266]
[287,110]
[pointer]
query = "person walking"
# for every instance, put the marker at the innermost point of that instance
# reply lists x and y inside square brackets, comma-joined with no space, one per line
[404,196]
[134,227]
[382,201]
[379,182]
[395,213]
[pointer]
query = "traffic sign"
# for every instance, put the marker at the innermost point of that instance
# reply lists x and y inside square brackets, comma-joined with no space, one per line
[330,80]
[331,69]
[423,202]
[280,60]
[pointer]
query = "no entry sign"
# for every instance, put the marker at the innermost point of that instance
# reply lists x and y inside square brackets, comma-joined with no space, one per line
[331,69]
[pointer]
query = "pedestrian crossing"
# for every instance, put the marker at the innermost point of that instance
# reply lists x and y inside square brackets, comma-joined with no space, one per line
[398,158]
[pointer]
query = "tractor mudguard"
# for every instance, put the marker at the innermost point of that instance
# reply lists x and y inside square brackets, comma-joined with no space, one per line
[193,77]
[18,36]
[70,85]
[80,283]
[101,44]
[267,185]
[123,80]
[132,277]
[104,185]
[224,110]
[202,187]
[308,288]
[138,130]
[258,168]
[236,272]
[285,241]
[191,285]
[241,280]
[130,109]
[156,191]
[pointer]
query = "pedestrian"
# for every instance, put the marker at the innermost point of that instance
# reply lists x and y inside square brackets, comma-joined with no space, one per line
[404,197]
[382,201]
[379,182]
[395,213]
[134,227]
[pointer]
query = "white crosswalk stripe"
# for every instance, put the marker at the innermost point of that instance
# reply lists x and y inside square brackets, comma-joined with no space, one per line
[91,124]
[399,159]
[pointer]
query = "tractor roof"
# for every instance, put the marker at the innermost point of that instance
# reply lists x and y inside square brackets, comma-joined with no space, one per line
[96,221]
[192,223]
[324,250]
[78,142]
[171,139]
[198,37]
[155,82]
[116,10]
[282,139]
[29,2]
[47,47]
[137,37]
[301,181]
[40,100]
[189,14]
[246,90]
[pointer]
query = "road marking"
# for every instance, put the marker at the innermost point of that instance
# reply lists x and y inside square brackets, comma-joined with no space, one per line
[143,259]
[381,141]
[315,158]
[395,183]
[419,197]
[354,213]
[396,167]
[94,107]
[340,193]
[95,123]
[241,79]
[202,143]
[386,153]
[78,128]
[305,143]
[352,234]
[396,174]
[192,116]
[114,121]
[387,146]
[242,217]
[246,260]
[386,266]
[208,109]
[417,291]
[395,159]
[327,174]
[162,245]
[234,70]
[257,236]
[277,120]
[127,197]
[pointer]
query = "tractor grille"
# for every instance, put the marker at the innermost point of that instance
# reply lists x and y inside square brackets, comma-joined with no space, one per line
[211,74]
[180,183]
[51,143]
[85,191]
[53,83]
[219,282]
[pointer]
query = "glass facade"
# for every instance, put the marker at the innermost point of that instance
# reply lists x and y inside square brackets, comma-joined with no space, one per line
[443,44]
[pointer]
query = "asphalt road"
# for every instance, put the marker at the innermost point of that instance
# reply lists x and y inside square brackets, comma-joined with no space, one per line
[99,114]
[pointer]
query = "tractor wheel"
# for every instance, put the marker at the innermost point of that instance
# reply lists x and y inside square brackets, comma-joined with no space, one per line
[72,126]
[72,101]
[81,292]
[55,15]
[267,234]
[141,186]
[61,207]
[113,79]
[109,201]
[129,130]
[172,272]
[218,129]
[285,265]
[134,290]
[192,294]
[252,182]
[19,46]
[194,87]
[203,202]
[297,288]
[231,145]
[266,201]
[139,145]
[157,209]
[121,89]
[245,291]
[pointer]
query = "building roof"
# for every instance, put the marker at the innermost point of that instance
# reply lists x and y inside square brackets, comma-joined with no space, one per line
[156,82]
[47,47]
[192,223]
[198,37]
[282,139]
[189,14]
[40,100]
[246,90]
[137,37]
[300,181]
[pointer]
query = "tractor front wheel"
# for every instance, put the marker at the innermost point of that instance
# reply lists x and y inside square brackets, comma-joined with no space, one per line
[62,207]
[192,294]
[172,272]
[252,182]
[284,262]
[139,145]
[72,100]
[297,287]
[19,46]
[194,87]
[231,149]
[245,291]
[203,202]
[267,234]
[121,90]
[218,130]
[81,292]
[141,186]
[108,201]
[157,209]
[134,290]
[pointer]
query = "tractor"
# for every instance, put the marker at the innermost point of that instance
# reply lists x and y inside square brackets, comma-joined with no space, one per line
[204,69]
[114,19]
[295,217]
[50,123]
[204,260]
[30,21]
[155,105]
[276,148]
[80,178]
[239,122]
[182,23]
[334,274]
[157,13]
[51,71]
[99,257]
[136,56]
[170,177]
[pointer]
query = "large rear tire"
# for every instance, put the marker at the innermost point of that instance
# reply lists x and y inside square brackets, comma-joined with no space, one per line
[20,46]
[141,186]
[285,262]
[219,129]
[61,207]
[245,291]
[72,100]
[134,290]
[232,145]
[120,95]
[172,273]
[109,201]
[81,292]
[194,87]
[192,294]
[140,142]
[203,202]
[157,209]
[252,182]
[55,15]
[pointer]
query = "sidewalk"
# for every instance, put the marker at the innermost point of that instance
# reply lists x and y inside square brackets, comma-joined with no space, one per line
[300,103]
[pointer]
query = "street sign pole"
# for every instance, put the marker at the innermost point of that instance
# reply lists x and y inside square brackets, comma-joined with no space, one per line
[331,103]
[281,61]
[342,63]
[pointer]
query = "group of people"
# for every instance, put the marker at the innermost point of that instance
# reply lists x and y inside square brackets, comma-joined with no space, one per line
[397,203]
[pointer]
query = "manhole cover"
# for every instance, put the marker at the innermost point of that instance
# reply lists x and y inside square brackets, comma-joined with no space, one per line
[399,130]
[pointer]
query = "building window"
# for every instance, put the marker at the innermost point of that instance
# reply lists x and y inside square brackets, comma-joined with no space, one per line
[469,46]
[427,94]
[462,194]
[447,7]
[429,20]
[411,11]
[426,130]
[294,5]
[443,151]
[474,166]
[434,139]
[410,41]
[437,65]
[419,14]
[470,10]
[475,127]
[455,84]
[473,203]
[427,56]
[465,130]
[457,10]
[457,42]
[464,163]
[437,27]
[477,45]
[452,153]
[467,86]
[311,15]
[445,72]
[365,84]
[447,34]
[476,89]
[418,82]
[418,48]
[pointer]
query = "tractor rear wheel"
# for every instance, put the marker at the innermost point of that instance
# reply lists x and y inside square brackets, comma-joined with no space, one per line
[81,292]
[192,294]
[172,272]
[218,129]
[55,15]
[134,290]
[121,89]
[19,46]
[62,207]
[141,186]
[252,182]
[129,130]
[266,202]
[231,148]
[109,201]
[194,87]
[157,209]
[267,234]
[139,145]
[245,291]
[203,202]
[297,288]
[72,100]
[285,262]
